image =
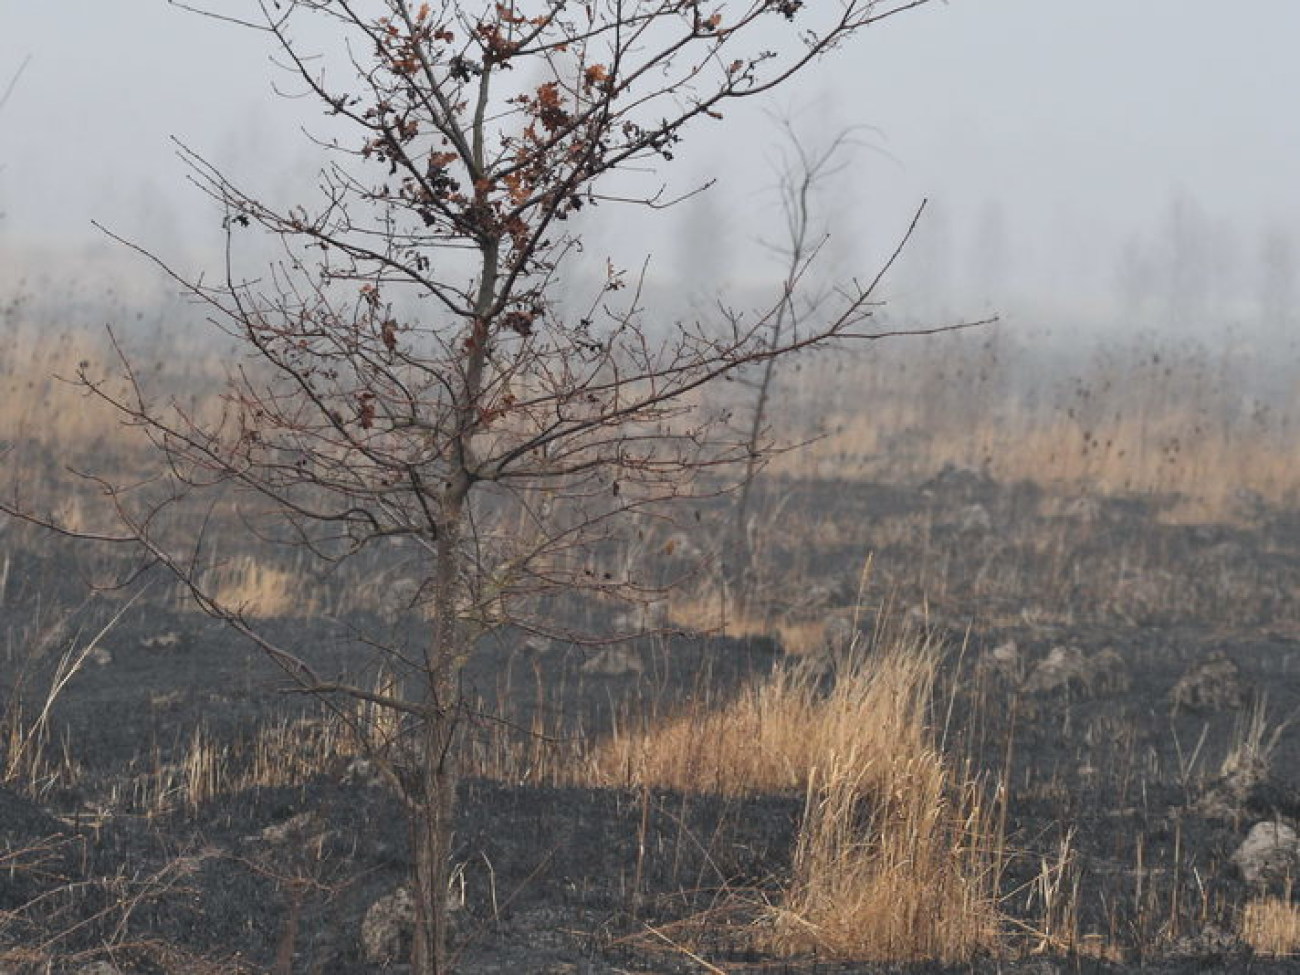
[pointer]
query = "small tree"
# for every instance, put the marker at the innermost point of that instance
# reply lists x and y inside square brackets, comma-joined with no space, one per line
[801,172]
[411,379]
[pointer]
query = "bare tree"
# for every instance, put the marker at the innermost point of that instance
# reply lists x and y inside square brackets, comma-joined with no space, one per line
[1276,287]
[9,91]
[412,384]
[800,174]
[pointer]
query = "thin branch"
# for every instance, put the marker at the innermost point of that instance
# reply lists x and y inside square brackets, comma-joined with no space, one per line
[13,82]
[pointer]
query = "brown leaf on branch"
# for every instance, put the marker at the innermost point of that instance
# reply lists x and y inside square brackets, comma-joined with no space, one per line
[519,322]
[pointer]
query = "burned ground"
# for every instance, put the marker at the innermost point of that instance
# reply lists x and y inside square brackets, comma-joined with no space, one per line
[1125,679]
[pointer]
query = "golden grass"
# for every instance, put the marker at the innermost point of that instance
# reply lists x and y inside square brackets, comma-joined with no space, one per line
[282,753]
[903,874]
[775,733]
[896,857]
[1271,926]
[1144,419]
[1134,421]
[1151,454]
[705,611]
[40,400]
[895,854]
[256,589]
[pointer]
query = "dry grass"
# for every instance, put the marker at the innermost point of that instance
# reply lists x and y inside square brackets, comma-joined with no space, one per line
[1152,417]
[895,854]
[774,734]
[40,401]
[256,589]
[1152,453]
[903,874]
[25,739]
[1271,926]
[1207,425]
[1195,423]
[289,752]
[706,612]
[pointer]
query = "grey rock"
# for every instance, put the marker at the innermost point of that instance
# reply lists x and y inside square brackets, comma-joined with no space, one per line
[1269,856]
[1211,684]
[617,661]
[388,928]
[99,656]
[297,829]
[362,772]
[1228,796]
[973,519]
[1069,667]
[169,640]
[1004,662]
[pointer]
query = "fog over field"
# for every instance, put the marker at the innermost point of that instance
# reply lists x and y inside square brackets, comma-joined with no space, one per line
[441,556]
[1108,163]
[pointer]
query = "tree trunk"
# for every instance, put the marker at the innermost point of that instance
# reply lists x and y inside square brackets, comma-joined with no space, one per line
[738,554]
[432,835]
[437,751]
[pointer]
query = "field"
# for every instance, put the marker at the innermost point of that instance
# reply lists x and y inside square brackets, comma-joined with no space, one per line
[1018,682]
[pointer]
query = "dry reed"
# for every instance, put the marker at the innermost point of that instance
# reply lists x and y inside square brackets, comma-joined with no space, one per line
[1271,926]
[894,856]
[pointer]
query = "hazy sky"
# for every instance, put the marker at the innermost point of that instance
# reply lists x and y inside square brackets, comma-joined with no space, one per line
[1071,126]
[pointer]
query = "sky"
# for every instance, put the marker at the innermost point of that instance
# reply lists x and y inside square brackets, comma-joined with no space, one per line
[1056,142]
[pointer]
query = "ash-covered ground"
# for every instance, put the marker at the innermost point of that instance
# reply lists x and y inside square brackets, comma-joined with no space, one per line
[1127,681]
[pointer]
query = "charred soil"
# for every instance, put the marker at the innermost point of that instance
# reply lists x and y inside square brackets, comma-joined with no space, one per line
[1123,683]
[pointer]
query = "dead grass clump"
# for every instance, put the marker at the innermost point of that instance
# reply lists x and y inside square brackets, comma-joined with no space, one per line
[289,752]
[775,733]
[1271,926]
[28,756]
[253,588]
[894,857]
[894,861]
[38,381]
[707,612]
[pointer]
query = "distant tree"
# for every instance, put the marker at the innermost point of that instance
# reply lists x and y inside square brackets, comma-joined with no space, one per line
[8,93]
[703,250]
[1193,264]
[411,381]
[1277,293]
[1134,280]
[989,259]
[803,174]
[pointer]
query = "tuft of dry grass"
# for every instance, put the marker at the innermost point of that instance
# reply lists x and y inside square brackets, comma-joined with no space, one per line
[894,861]
[257,589]
[773,734]
[1271,926]
[895,856]
[38,386]
[25,742]
[706,612]
[288,752]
